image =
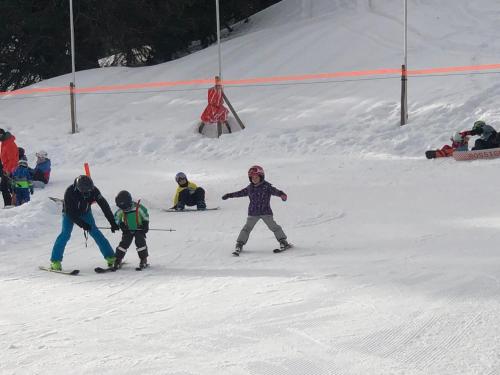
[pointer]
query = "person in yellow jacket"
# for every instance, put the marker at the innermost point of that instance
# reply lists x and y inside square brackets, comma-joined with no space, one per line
[188,194]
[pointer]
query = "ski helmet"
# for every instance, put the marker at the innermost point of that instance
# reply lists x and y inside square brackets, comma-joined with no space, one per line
[256,170]
[41,154]
[123,200]
[180,176]
[84,185]
[478,125]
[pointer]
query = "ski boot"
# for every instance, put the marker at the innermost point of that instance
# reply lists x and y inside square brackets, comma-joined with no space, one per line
[110,261]
[142,264]
[118,264]
[56,265]
[180,206]
[284,245]
[201,206]
[238,249]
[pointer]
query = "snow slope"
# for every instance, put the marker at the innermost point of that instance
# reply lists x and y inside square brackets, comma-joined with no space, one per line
[395,265]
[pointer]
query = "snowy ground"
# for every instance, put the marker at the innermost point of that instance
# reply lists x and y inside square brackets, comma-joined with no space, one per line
[396,259]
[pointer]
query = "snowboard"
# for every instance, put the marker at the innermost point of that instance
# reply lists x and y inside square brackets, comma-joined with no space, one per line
[190,209]
[490,153]
[72,273]
[56,200]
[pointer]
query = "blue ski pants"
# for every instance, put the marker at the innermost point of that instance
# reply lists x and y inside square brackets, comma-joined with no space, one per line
[67,228]
[22,195]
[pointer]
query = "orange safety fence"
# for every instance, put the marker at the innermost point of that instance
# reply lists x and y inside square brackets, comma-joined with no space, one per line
[258,80]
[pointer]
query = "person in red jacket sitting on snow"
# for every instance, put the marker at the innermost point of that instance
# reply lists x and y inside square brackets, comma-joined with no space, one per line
[215,112]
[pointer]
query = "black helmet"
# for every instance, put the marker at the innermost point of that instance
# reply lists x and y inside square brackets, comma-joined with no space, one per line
[180,176]
[84,184]
[478,125]
[123,200]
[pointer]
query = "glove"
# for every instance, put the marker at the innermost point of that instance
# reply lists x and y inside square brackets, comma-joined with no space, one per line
[86,227]
[114,227]
[123,227]
[284,197]
[225,196]
[145,226]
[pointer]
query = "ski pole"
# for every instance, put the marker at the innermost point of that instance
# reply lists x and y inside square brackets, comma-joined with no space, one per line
[156,229]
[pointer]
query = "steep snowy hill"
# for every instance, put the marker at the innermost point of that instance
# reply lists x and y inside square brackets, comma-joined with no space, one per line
[395,269]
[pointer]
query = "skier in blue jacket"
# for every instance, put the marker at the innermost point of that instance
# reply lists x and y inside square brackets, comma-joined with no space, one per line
[76,210]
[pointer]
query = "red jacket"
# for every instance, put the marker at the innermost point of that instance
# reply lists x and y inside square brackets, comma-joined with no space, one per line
[9,153]
[215,110]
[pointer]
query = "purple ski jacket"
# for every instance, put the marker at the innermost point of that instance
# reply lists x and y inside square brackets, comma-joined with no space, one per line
[260,197]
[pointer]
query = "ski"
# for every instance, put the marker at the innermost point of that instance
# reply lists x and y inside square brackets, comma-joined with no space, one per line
[289,246]
[72,273]
[104,270]
[189,209]
[236,253]
[109,269]
[56,200]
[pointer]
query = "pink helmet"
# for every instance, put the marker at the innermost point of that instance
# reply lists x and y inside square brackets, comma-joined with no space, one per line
[256,170]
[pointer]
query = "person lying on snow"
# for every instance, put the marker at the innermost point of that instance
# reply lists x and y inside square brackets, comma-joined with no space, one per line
[459,142]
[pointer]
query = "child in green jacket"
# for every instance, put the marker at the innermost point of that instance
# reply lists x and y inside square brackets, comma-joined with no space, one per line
[133,219]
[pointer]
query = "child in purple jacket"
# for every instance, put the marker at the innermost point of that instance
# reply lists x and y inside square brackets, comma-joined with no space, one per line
[259,191]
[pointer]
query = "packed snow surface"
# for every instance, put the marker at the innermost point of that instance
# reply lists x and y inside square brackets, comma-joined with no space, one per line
[396,263]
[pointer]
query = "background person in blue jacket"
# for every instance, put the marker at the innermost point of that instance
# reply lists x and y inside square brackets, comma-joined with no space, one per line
[259,191]
[21,183]
[76,210]
[41,172]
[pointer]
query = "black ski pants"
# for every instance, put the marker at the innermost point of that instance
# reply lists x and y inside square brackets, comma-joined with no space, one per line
[192,199]
[6,190]
[481,144]
[140,243]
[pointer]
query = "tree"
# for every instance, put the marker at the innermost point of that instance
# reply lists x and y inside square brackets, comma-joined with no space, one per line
[35,40]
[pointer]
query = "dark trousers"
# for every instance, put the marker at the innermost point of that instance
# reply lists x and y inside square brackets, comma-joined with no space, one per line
[6,190]
[22,195]
[39,176]
[192,199]
[481,144]
[140,243]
